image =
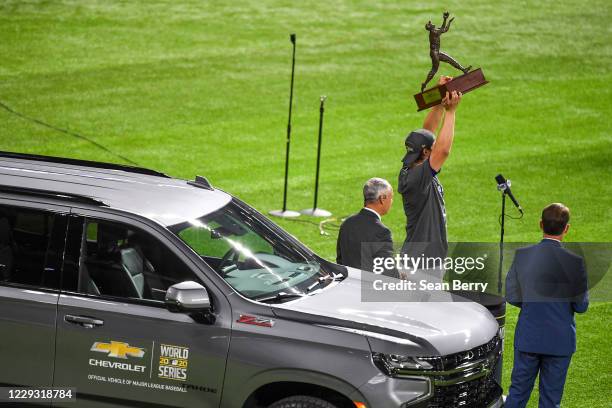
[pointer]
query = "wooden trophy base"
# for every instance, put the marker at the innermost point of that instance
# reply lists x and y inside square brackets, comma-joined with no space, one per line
[464,84]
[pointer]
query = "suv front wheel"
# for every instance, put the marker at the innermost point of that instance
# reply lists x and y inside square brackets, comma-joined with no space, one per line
[302,401]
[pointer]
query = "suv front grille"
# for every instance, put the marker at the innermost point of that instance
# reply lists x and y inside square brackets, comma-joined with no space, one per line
[479,393]
[491,349]
[476,367]
[465,379]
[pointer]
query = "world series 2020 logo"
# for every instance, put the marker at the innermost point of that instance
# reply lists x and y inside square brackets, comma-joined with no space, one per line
[173,362]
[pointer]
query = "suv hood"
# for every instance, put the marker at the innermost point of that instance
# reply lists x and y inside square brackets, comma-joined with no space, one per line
[436,327]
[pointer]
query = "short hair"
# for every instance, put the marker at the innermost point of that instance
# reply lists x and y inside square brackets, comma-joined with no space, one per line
[555,217]
[374,188]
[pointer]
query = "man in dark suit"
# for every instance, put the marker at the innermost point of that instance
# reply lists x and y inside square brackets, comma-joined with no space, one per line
[549,284]
[363,237]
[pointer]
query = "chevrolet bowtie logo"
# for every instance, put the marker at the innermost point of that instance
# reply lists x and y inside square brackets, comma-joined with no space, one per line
[117,349]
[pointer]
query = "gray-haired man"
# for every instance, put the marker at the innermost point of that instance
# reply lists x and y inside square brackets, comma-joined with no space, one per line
[363,237]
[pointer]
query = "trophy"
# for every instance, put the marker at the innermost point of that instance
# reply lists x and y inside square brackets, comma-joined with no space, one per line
[471,79]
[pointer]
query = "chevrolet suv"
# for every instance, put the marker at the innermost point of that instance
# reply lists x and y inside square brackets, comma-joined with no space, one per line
[141,290]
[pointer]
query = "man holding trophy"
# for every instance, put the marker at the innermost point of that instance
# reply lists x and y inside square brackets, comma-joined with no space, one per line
[422,193]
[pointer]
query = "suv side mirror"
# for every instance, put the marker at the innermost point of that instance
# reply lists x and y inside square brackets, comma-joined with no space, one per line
[188,296]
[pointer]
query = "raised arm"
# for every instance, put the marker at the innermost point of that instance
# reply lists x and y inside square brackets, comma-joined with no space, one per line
[447,27]
[442,147]
[434,116]
[444,18]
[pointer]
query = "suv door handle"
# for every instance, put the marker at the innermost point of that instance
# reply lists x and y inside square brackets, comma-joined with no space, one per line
[87,322]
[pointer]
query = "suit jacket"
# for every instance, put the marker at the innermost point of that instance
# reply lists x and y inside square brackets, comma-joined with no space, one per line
[362,238]
[549,284]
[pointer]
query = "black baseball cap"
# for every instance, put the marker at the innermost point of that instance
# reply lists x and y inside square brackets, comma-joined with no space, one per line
[415,142]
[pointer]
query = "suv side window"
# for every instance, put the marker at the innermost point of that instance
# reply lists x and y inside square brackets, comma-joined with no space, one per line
[31,246]
[122,261]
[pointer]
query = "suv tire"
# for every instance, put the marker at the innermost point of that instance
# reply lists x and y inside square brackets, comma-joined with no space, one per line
[301,401]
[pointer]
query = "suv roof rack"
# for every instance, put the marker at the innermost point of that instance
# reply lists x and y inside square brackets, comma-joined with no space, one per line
[86,163]
[75,198]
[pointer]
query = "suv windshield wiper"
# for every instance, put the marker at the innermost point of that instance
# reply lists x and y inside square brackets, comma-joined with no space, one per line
[279,297]
[323,279]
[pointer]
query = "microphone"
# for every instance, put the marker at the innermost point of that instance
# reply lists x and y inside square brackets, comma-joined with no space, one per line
[504,186]
[292,38]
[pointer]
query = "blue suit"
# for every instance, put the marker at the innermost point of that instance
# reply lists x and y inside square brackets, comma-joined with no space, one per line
[549,284]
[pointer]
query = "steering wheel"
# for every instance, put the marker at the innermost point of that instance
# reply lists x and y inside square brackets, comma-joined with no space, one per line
[229,258]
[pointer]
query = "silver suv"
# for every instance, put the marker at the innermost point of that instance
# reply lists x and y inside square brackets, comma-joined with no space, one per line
[141,290]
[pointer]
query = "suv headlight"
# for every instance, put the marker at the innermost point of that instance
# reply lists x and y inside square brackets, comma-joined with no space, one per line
[395,365]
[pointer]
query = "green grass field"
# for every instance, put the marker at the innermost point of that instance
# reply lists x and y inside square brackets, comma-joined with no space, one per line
[194,87]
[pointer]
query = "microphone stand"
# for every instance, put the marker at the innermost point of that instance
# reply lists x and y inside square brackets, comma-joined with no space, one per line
[284,213]
[502,188]
[314,211]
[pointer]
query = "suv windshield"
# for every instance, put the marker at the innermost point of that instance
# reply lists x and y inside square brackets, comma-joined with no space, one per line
[256,257]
